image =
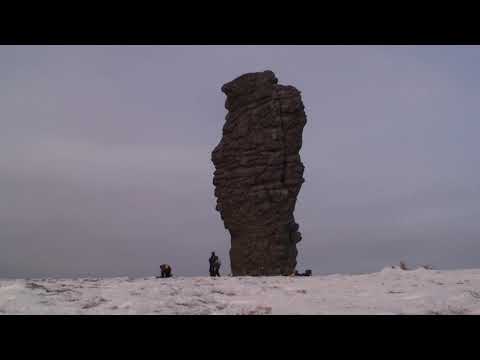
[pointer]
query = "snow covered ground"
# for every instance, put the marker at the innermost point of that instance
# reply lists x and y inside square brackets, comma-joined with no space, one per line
[390,291]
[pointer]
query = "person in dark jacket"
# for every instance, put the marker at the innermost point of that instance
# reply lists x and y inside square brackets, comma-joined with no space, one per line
[214,264]
[166,271]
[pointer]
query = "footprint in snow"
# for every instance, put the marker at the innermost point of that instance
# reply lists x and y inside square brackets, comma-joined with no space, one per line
[94,303]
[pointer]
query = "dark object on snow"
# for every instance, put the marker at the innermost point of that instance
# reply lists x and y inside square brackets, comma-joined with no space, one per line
[258,173]
[166,271]
[306,273]
[215,264]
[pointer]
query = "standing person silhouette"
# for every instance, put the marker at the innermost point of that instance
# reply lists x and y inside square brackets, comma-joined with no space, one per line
[213,264]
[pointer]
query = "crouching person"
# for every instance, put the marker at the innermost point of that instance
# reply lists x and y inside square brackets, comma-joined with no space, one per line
[166,271]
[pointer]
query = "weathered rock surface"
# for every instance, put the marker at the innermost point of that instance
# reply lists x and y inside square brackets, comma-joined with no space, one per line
[259,173]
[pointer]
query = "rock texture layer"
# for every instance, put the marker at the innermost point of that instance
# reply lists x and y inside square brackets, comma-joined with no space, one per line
[259,173]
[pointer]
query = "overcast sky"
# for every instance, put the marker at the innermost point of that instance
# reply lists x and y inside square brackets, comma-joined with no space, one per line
[105,163]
